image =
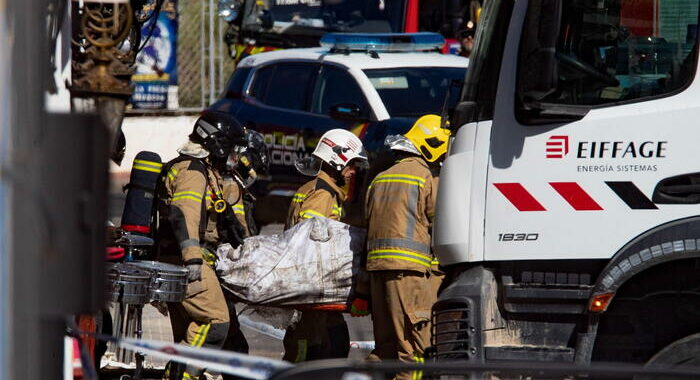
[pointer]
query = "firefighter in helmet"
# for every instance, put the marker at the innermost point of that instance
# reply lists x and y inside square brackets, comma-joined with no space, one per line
[403,273]
[321,334]
[243,167]
[190,202]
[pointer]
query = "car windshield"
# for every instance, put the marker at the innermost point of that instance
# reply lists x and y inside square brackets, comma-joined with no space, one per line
[416,91]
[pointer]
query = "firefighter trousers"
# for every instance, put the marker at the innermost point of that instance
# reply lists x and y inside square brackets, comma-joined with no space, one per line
[317,335]
[201,320]
[401,304]
[235,340]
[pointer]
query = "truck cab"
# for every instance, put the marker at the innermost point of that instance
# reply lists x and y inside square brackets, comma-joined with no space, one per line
[567,215]
[257,26]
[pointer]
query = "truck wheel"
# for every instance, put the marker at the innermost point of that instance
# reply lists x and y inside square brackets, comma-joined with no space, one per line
[683,352]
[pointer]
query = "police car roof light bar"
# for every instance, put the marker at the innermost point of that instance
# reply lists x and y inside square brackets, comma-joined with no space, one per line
[383,42]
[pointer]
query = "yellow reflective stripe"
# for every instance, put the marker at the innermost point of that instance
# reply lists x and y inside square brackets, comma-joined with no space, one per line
[203,336]
[197,335]
[146,168]
[418,375]
[153,164]
[402,176]
[302,348]
[400,255]
[337,210]
[196,194]
[298,198]
[239,209]
[211,195]
[399,258]
[172,173]
[187,197]
[417,255]
[408,181]
[192,195]
[187,376]
[306,214]
[435,262]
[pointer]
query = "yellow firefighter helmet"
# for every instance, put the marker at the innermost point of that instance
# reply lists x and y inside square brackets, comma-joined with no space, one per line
[428,137]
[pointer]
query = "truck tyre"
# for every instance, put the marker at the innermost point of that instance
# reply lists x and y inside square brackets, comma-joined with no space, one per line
[683,352]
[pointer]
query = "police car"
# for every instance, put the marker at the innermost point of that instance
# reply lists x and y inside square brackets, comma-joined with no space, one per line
[372,84]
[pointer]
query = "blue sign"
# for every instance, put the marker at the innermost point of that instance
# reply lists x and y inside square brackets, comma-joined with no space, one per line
[156,63]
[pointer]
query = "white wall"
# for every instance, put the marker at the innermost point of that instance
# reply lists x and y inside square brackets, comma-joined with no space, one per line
[159,134]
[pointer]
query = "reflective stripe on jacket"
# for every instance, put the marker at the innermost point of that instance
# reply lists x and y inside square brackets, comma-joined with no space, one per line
[318,197]
[186,190]
[400,204]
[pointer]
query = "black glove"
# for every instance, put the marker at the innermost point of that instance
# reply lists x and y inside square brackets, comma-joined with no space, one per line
[194,270]
[230,229]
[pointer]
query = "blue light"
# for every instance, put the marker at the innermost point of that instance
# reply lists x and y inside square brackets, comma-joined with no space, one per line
[383,42]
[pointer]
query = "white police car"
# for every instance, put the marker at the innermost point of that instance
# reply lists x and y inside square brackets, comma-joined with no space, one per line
[372,84]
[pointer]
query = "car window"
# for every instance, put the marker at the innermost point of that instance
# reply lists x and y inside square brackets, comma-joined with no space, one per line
[606,51]
[261,82]
[336,86]
[285,85]
[238,79]
[416,91]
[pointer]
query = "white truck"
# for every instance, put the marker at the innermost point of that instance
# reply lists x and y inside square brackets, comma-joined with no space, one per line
[568,211]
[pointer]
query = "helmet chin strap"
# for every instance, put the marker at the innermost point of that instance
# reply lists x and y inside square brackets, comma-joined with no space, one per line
[334,173]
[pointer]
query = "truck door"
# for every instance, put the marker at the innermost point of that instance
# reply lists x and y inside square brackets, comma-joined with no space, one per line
[595,132]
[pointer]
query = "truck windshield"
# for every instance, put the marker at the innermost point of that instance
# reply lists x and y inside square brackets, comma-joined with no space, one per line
[338,15]
[607,51]
[415,91]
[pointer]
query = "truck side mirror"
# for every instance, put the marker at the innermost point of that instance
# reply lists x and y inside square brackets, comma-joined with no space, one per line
[465,112]
[346,111]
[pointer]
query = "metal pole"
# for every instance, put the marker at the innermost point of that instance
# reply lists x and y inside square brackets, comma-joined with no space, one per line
[212,55]
[7,134]
[220,55]
[202,52]
[22,118]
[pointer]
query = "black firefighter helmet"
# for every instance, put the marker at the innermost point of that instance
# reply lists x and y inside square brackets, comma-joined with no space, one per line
[218,132]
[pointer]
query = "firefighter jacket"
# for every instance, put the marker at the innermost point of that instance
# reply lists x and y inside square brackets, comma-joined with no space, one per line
[400,207]
[186,196]
[318,197]
[233,194]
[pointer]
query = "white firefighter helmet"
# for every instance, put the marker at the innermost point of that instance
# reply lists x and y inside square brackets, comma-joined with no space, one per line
[337,148]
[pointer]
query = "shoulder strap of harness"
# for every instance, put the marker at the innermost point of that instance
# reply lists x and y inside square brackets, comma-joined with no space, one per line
[196,164]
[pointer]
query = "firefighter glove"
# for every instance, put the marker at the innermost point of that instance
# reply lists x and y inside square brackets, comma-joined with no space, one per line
[194,270]
[359,307]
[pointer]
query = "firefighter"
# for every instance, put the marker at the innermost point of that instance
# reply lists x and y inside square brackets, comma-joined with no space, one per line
[466,39]
[190,200]
[403,279]
[244,165]
[320,334]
